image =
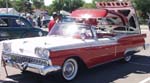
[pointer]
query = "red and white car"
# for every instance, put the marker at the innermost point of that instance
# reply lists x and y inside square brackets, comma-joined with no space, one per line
[69,46]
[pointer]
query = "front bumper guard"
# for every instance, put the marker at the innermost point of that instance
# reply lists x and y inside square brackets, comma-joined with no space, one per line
[39,69]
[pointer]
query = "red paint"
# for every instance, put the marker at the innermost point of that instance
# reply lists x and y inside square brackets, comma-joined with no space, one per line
[92,56]
[93,13]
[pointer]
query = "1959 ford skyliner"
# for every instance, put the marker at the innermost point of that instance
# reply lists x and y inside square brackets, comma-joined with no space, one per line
[69,45]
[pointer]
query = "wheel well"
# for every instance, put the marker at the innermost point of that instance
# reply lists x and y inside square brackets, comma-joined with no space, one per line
[79,61]
[129,53]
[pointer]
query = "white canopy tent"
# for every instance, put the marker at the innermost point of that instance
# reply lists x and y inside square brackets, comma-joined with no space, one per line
[63,12]
[8,11]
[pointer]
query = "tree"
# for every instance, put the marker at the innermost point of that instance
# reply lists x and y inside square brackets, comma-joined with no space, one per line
[88,5]
[18,5]
[95,1]
[28,7]
[142,7]
[3,3]
[38,3]
[68,5]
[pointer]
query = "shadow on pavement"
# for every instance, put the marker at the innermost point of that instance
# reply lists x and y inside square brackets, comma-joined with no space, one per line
[107,73]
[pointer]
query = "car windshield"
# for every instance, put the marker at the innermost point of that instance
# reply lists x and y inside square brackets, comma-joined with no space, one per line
[71,30]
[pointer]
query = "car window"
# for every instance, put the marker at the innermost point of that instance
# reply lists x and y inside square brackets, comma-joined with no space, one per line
[4,22]
[72,30]
[14,22]
[18,22]
[110,21]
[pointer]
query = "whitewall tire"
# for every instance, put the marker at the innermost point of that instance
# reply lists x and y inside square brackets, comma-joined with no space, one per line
[69,69]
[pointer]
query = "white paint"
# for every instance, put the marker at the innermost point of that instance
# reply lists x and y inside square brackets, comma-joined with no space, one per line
[55,43]
[147,80]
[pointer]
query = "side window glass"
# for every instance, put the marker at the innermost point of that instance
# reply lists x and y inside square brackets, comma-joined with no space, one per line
[16,22]
[132,22]
[4,22]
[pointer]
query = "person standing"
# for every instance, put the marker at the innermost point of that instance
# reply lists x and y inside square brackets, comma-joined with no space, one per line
[39,21]
[60,17]
[52,22]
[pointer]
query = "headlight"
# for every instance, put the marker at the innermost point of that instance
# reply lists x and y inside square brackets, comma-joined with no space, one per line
[41,52]
[7,47]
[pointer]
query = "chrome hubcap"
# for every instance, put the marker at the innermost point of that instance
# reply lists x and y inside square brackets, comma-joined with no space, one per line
[70,69]
[128,58]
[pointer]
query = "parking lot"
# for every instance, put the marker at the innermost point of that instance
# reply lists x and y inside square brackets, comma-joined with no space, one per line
[137,71]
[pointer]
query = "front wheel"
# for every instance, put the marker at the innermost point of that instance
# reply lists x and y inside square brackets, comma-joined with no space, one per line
[69,69]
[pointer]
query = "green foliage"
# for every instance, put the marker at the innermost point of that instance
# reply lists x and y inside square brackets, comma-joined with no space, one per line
[38,3]
[18,5]
[3,3]
[143,7]
[89,5]
[68,5]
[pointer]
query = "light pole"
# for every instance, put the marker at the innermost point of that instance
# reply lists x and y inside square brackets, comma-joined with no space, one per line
[6,6]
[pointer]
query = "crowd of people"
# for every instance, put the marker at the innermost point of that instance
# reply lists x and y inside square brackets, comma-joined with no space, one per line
[43,20]
[38,21]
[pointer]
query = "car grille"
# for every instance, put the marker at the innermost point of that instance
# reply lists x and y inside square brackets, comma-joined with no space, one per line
[26,59]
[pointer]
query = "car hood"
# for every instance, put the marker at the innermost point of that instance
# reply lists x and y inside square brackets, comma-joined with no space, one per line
[27,46]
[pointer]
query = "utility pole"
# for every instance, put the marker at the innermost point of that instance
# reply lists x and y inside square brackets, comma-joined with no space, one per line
[6,1]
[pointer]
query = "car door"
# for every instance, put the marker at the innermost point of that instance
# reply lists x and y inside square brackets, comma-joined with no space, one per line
[104,50]
[32,33]
[101,50]
[17,27]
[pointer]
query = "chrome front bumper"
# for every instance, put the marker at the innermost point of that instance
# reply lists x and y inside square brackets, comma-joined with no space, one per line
[35,68]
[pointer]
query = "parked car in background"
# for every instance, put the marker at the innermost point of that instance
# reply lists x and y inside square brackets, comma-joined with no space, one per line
[67,19]
[13,27]
[45,23]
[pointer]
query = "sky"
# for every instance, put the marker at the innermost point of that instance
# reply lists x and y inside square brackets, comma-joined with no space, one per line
[48,2]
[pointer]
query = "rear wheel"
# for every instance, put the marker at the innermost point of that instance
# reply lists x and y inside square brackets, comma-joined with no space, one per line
[127,58]
[70,69]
